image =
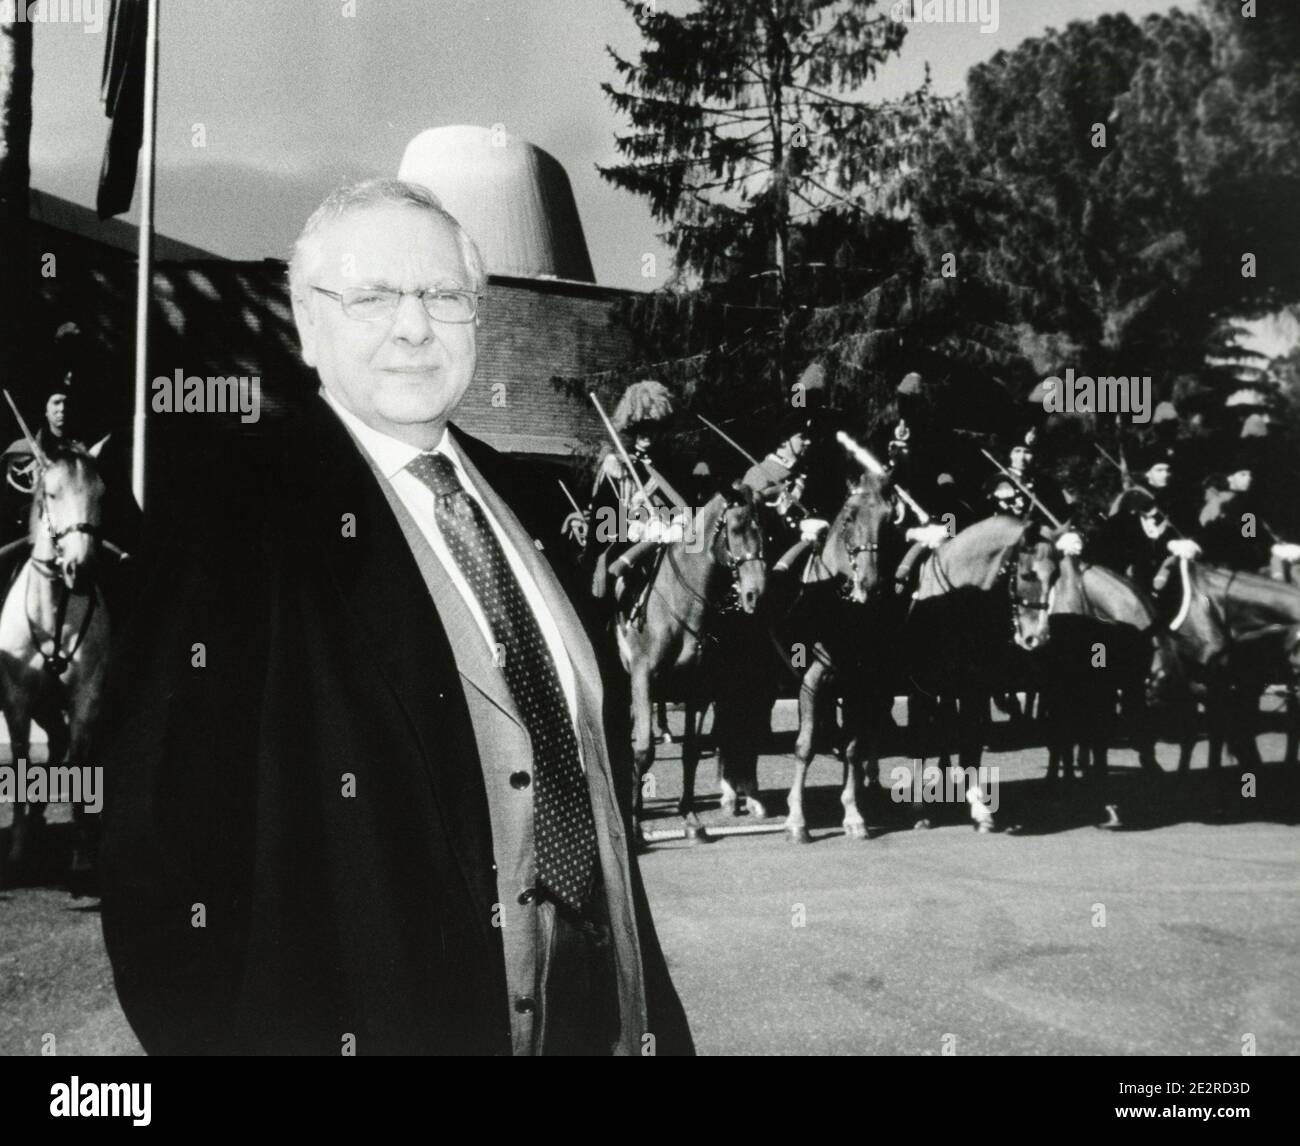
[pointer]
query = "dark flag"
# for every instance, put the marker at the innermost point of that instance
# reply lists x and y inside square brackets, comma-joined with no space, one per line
[123,94]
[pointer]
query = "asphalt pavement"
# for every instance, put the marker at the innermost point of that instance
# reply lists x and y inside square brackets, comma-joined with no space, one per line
[1178,935]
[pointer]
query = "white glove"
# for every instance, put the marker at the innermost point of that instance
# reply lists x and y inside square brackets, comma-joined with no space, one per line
[1286,551]
[931,536]
[660,532]
[1184,548]
[1070,543]
[810,528]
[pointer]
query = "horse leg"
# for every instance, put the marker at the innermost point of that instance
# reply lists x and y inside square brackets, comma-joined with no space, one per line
[665,735]
[1216,704]
[855,827]
[804,749]
[643,749]
[1292,725]
[82,720]
[1241,727]
[27,817]
[973,709]
[694,830]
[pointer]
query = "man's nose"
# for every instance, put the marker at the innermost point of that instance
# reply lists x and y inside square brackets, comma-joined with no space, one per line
[412,323]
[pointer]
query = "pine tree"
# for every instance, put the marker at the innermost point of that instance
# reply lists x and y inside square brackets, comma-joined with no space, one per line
[748,130]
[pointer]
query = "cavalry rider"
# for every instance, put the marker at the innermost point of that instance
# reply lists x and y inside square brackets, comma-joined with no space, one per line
[1134,539]
[804,479]
[1231,531]
[631,513]
[1016,497]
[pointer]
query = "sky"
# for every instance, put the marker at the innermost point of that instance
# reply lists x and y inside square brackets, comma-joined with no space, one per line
[292,97]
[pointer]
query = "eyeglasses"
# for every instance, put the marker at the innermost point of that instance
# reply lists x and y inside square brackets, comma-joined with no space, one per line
[374,304]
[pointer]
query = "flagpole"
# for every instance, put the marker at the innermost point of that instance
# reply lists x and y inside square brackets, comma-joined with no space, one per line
[144,280]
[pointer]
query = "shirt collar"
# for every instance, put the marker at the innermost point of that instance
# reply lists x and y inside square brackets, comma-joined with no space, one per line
[390,455]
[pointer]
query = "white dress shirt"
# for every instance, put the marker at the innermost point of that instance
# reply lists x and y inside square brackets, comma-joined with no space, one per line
[392,457]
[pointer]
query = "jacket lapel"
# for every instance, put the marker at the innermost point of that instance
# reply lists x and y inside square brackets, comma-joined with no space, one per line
[380,586]
[532,554]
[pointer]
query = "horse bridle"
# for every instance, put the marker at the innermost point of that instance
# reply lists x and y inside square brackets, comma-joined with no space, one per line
[724,557]
[727,557]
[56,661]
[1010,569]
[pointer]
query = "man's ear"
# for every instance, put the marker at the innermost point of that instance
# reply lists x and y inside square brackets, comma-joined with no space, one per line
[304,318]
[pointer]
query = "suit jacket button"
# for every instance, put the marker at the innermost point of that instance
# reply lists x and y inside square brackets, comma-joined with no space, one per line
[520,780]
[525,1005]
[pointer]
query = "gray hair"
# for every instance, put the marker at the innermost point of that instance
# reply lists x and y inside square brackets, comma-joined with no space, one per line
[376,192]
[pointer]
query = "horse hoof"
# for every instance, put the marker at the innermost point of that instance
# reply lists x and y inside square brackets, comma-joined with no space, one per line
[922,825]
[799,835]
[984,827]
[756,809]
[1112,820]
[856,832]
[695,834]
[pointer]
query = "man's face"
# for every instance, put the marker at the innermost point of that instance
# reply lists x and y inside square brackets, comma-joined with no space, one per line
[405,374]
[1021,457]
[1239,481]
[1158,475]
[1154,523]
[55,410]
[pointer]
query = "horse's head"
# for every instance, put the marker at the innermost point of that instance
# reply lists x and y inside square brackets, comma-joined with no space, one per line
[737,544]
[865,539]
[1033,575]
[67,512]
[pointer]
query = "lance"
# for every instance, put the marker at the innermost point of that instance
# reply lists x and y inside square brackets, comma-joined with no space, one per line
[37,452]
[735,445]
[618,444]
[569,496]
[1123,470]
[865,459]
[1006,473]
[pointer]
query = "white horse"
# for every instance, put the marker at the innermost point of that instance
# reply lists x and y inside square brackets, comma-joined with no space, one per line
[54,626]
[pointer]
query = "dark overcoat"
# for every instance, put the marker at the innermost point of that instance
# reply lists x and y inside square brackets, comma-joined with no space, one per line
[284,645]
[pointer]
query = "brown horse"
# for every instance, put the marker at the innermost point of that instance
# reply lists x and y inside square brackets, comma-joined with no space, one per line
[1235,634]
[54,628]
[722,551]
[844,620]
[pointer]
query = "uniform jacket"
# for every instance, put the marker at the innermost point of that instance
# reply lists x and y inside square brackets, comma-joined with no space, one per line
[284,646]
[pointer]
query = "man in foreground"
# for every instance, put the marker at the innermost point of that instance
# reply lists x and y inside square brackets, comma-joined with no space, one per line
[366,772]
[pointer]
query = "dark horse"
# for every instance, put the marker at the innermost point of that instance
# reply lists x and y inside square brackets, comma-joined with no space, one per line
[721,552]
[981,606]
[1234,634]
[1103,636]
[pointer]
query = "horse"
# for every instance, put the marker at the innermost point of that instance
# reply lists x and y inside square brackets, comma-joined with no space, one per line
[1103,636]
[848,614]
[54,628]
[1235,633]
[722,550]
[982,603]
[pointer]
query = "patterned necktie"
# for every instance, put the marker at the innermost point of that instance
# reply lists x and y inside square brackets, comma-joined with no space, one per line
[564,828]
